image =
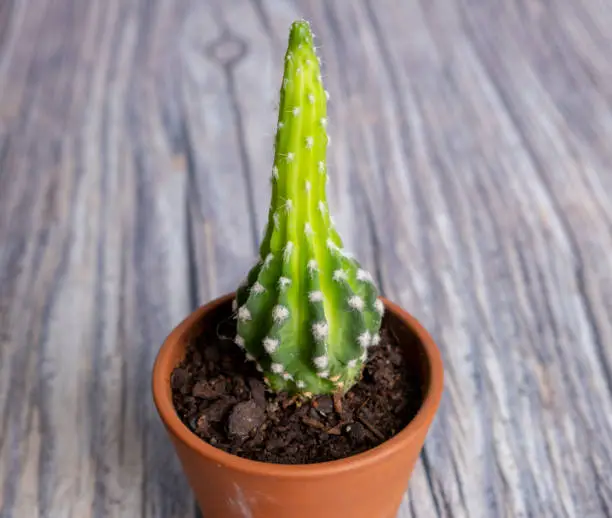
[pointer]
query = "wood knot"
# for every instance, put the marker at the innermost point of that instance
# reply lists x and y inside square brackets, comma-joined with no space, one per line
[228,49]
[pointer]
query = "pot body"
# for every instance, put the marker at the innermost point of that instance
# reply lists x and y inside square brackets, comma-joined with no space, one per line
[367,485]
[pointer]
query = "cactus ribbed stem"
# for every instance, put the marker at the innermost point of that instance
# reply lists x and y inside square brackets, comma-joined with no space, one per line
[307,312]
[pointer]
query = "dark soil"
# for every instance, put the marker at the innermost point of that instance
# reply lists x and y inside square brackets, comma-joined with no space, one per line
[222,399]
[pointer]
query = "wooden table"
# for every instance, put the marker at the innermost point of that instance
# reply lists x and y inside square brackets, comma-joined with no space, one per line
[471,171]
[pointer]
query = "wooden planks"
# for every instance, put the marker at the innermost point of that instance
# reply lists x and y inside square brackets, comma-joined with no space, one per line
[470,172]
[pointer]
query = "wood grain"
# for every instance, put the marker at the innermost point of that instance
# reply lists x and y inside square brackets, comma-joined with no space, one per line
[470,171]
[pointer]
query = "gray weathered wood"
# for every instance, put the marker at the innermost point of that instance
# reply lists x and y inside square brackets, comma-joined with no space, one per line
[471,172]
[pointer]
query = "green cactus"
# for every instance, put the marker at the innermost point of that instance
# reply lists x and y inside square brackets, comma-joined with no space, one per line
[306,312]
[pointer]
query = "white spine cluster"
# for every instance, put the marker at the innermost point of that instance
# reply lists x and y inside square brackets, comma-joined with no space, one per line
[269,258]
[320,330]
[364,339]
[312,266]
[288,250]
[356,302]
[280,314]
[379,306]
[258,288]
[315,296]
[321,362]
[364,276]
[339,275]
[244,314]
[270,344]
[331,246]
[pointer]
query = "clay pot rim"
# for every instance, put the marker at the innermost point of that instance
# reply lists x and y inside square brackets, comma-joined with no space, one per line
[162,396]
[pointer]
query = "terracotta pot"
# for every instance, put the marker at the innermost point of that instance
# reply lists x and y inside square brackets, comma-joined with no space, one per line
[367,485]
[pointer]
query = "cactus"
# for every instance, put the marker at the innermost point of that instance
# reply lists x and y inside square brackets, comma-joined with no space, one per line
[307,312]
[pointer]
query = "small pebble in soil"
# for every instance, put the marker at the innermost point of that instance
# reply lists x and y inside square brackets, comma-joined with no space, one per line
[324,404]
[258,391]
[245,418]
[355,432]
[209,389]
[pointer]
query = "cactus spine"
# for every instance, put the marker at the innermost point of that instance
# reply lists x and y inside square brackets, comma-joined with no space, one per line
[307,312]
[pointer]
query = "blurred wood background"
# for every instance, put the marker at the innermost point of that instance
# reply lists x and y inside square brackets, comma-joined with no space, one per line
[471,171]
